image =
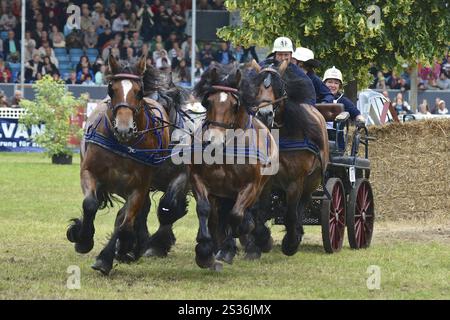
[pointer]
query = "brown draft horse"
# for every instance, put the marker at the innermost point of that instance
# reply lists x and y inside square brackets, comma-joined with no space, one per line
[225,192]
[302,168]
[108,169]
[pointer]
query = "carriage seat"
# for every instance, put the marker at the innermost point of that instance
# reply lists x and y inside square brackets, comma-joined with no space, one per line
[336,118]
[331,111]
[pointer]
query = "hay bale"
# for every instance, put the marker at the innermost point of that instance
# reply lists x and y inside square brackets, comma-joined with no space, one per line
[411,170]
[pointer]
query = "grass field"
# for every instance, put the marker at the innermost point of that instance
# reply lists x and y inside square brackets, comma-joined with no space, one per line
[37,200]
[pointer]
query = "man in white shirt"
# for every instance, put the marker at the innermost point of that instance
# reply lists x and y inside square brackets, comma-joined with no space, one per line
[119,23]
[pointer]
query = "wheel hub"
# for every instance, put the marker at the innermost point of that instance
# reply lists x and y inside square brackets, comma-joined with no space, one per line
[363,215]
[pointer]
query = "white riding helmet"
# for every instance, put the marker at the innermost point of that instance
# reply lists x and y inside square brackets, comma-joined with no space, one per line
[283,44]
[333,73]
[303,54]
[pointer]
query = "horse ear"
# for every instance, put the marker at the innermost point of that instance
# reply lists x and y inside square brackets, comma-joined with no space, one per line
[283,67]
[255,66]
[113,64]
[238,77]
[142,64]
[213,74]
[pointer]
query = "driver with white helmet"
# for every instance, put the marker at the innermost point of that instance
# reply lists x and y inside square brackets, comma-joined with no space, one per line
[333,80]
[304,59]
[283,50]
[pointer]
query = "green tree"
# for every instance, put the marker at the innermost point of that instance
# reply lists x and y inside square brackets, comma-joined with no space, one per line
[53,106]
[347,33]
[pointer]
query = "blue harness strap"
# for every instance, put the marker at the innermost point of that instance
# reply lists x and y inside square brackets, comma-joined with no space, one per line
[149,157]
[248,152]
[227,151]
[298,145]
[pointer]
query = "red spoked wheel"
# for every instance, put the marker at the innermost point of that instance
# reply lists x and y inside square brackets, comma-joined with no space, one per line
[333,216]
[360,215]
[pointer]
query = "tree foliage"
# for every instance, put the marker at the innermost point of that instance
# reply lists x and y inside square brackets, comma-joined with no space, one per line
[53,105]
[341,32]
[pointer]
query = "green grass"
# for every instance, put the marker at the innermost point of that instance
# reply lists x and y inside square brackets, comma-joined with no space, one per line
[38,199]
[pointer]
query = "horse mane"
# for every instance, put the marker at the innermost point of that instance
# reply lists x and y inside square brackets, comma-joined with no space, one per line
[178,96]
[216,75]
[226,75]
[297,118]
[152,79]
[248,91]
[124,68]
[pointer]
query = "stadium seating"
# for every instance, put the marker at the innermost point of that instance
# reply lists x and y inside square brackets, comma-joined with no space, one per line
[60,51]
[63,58]
[4,35]
[92,52]
[76,51]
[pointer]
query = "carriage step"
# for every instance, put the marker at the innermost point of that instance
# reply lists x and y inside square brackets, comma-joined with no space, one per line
[278,220]
[310,221]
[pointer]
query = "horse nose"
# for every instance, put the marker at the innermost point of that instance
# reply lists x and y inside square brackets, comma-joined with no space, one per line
[124,131]
[266,116]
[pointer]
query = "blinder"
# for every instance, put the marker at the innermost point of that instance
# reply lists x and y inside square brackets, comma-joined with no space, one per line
[268,81]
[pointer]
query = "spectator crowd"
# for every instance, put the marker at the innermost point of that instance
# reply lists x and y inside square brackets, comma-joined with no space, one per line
[435,77]
[54,45]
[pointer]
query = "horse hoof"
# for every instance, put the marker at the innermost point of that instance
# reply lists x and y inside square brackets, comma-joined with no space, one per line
[84,247]
[73,231]
[205,263]
[267,247]
[225,256]
[216,266]
[126,258]
[102,266]
[289,249]
[252,256]
[153,252]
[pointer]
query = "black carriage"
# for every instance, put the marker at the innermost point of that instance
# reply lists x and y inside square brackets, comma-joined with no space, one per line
[345,199]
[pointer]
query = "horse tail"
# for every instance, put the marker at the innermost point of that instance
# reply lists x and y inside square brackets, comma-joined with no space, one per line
[173,205]
[106,199]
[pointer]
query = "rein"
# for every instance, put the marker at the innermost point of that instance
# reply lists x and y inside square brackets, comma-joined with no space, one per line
[268,103]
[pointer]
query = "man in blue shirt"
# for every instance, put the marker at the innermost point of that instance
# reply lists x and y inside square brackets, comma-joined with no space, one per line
[304,59]
[224,54]
[283,50]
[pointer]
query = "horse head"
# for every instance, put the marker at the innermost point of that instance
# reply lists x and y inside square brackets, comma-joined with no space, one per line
[125,89]
[271,93]
[219,93]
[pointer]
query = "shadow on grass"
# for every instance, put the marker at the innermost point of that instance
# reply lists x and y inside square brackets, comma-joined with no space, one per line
[303,248]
